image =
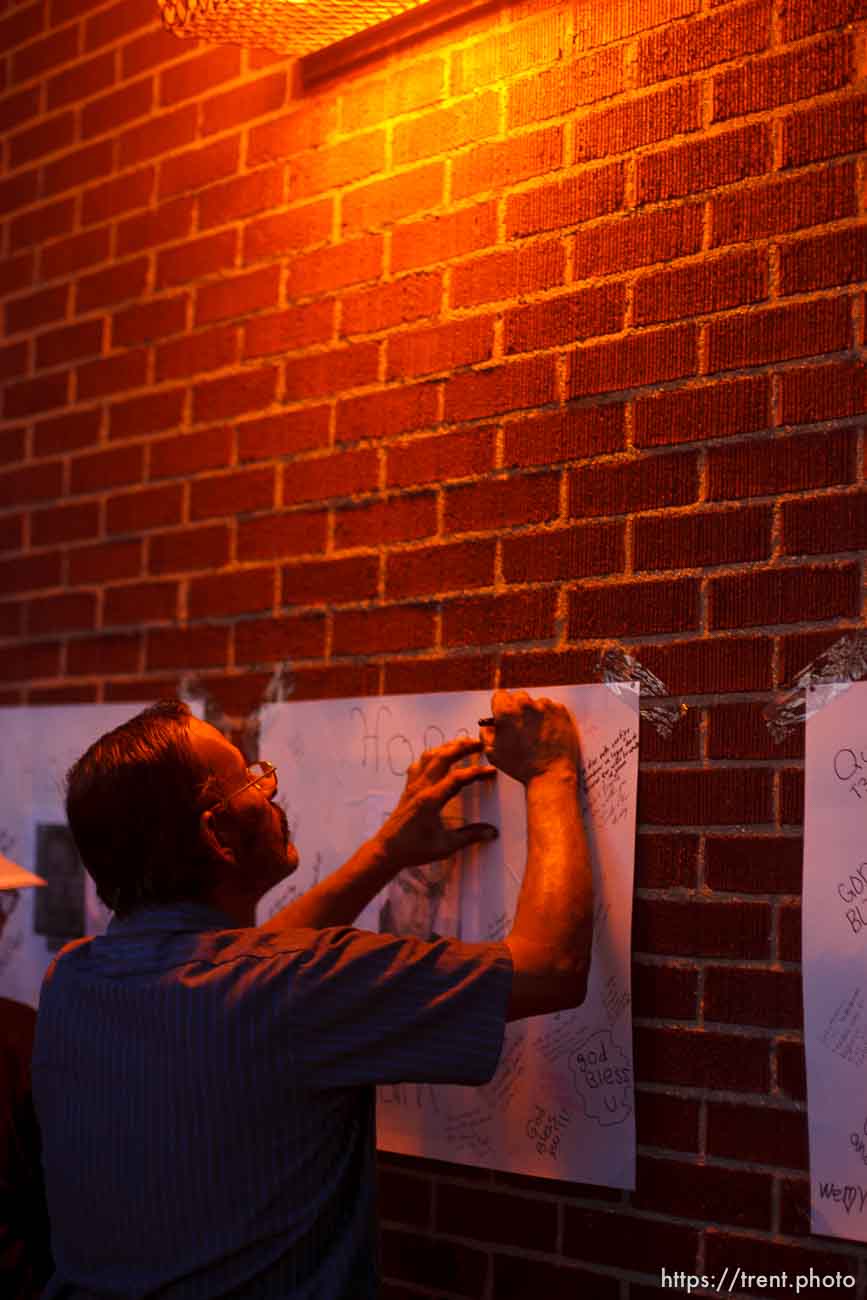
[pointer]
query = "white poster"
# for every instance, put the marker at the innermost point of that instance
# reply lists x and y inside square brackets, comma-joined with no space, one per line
[561,1104]
[39,746]
[835,958]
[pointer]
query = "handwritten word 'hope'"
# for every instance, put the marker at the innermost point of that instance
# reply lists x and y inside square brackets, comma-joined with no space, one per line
[381,747]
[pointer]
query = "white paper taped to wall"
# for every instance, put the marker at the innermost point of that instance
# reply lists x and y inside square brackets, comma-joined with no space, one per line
[561,1104]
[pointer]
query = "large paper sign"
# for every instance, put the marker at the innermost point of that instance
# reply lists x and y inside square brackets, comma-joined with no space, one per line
[561,1104]
[39,746]
[835,958]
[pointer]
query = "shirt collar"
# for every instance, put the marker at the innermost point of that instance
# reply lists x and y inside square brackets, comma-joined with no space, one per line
[171,918]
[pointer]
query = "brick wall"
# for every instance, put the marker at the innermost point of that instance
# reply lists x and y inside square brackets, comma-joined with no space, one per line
[539,327]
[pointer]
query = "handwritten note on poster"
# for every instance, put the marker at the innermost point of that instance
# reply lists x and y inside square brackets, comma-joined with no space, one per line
[835,958]
[561,1104]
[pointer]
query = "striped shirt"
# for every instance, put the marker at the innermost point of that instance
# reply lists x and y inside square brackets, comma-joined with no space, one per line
[206,1098]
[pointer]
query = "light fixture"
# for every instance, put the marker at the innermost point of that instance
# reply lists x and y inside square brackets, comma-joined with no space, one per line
[292,27]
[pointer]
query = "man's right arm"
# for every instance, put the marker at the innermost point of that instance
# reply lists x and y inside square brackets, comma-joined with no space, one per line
[535,742]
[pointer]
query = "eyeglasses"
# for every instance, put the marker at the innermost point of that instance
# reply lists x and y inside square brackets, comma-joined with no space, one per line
[8,902]
[262,775]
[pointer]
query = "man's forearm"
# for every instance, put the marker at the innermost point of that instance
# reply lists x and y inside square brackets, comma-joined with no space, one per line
[552,931]
[339,898]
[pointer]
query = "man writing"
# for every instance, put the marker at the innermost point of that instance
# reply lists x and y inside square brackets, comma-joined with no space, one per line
[205,1086]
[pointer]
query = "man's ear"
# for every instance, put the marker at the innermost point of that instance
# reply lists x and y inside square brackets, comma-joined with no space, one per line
[215,842]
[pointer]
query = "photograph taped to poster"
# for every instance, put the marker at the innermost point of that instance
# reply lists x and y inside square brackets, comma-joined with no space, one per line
[835,958]
[561,1104]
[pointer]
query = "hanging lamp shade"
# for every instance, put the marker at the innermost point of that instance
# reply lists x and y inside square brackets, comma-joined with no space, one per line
[292,27]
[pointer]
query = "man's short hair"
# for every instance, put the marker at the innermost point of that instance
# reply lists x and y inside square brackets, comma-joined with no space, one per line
[133,802]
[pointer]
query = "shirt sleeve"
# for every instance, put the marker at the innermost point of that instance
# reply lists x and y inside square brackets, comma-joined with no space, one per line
[366,1008]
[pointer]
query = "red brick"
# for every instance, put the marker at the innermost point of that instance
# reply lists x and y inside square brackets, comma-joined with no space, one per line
[16,273]
[67,432]
[333,267]
[326,582]
[193,354]
[13,445]
[824,260]
[244,196]
[132,512]
[18,108]
[706,286]
[243,103]
[304,128]
[508,274]
[565,86]
[342,474]
[824,525]
[440,347]
[704,164]
[335,681]
[36,309]
[374,631]
[499,503]
[497,164]
[200,74]
[440,239]
[290,330]
[330,166]
[717,410]
[245,591]
[141,602]
[664,992]
[196,168]
[639,483]
[597,1236]
[667,861]
[163,134]
[64,523]
[396,519]
[435,569]
[771,207]
[41,224]
[671,1120]
[492,620]
[792,797]
[564,554]
[22,26]
[187,647]
[318,374]
[685,797]
[547,667]
[497,1216]
[11,532]
[31,572]
[35,395]
[248,390]
[11,618]
[122,282]
[32,661]
[633,362]
[238,295]
[640,240]
[773,1136]
[381,203]
[410,298]
[105,469]
[457,673]
[789,595]
[105,562]
[227,494]
[162,225]
[151,320]
[779,333]
[275,536]
[715,665]
[283,434]
[597,26]
[112,374]
[80,81]
[67,255]
[280,639]
[746,996]
[408,86]
[68,343]
[801,73]
[633,608]
[17,192]
[102,655]
[824,131]
[196,259]
[703,929]
[304,227]
[14,360]
[39,56]
[74,169]
[150,413]
[768,466]
[446,129]
[187,549]
[190,452]
[425,460]
[707,40]
[689,541]
[570,434]
[754,864]
[389,411]
[737,1196]
[149,51]
[502,54]
[640,120]
[111,24]
[594,193]
[500,389]
[564,319]
[804,20]
[108,112]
